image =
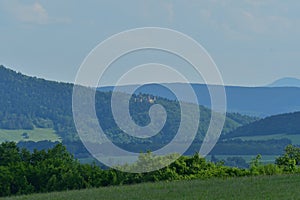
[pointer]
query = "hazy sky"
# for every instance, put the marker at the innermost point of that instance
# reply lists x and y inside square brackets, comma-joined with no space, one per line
[252,42]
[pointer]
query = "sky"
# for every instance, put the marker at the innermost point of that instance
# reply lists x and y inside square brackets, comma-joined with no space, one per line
[252,42]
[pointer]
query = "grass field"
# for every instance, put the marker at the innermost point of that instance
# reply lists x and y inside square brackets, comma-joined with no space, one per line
[37,134]
[263,187]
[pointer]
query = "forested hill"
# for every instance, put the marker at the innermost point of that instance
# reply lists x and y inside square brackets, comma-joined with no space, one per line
[288,124]
[28,102]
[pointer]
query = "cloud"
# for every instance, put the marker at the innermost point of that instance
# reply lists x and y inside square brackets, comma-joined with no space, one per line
[247,18]
[170,10]
[35,13]
[157,11]
[31,13]
[262,23]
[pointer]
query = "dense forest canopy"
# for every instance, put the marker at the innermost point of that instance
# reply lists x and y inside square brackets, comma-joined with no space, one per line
[28,102]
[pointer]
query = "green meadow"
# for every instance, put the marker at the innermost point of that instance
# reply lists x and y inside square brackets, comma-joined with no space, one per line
[259,187]
[37,134]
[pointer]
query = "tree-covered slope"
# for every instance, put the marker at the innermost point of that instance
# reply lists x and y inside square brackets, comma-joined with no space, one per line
[278,124]
[28,102]
[25,100]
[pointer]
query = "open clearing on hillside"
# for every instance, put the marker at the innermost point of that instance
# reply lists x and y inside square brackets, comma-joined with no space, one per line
[37,134]
[262,187]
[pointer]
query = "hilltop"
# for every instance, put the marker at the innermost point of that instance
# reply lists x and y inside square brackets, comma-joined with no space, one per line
[286,82]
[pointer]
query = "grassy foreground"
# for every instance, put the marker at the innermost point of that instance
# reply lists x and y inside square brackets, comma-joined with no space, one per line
[262,187]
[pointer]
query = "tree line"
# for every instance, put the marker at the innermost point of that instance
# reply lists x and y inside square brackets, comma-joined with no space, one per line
[55,169]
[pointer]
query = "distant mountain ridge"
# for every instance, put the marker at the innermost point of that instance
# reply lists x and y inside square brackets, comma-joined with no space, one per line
[285,82]
[254,101]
